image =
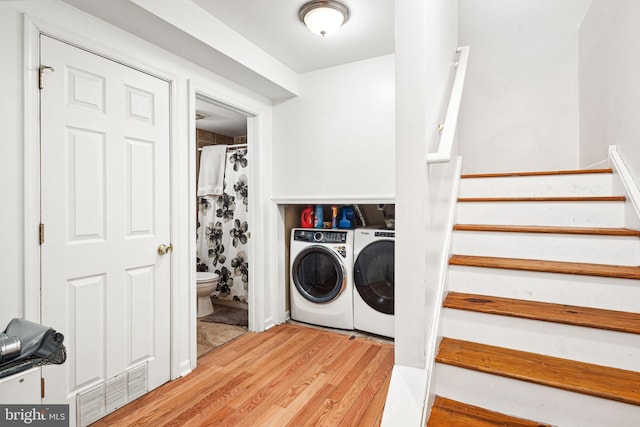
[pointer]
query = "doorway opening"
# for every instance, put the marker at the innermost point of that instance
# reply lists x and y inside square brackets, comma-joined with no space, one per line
[222,224]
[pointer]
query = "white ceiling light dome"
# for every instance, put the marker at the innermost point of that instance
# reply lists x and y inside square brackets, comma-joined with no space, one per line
[324,17]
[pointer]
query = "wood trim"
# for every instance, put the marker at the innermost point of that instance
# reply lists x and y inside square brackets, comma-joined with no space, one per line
[586,378]
[548,229]
[544,199]
[539,173]
[447,413]
[547,312]
[585,269]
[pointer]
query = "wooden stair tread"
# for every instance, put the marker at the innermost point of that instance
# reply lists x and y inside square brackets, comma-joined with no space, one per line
[451,413]
[543,199]
[611,320]
[586,378]
[549,229]
[585,269]
[539,173]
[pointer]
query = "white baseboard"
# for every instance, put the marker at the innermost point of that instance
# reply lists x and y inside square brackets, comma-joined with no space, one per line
[405,398]
[185,369]
[270,322]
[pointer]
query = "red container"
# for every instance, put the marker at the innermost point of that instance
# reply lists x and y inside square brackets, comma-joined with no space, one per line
[307,218]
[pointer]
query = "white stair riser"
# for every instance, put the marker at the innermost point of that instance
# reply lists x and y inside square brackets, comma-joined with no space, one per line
[575,214]
[585,291]
[532,401]
[617,250]
[534,186]
[589,345]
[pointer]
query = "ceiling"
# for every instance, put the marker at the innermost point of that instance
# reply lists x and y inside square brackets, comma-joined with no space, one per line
[219,119]
[274,26]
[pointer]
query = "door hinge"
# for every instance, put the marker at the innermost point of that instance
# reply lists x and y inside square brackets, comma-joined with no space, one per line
[41,233]
[42,388]
[43,68]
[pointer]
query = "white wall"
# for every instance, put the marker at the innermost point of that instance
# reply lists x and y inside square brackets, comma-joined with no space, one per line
[106,38]
[520,107]
[11,189]
[335,141]
[609,83]
[425,53]
[426,40]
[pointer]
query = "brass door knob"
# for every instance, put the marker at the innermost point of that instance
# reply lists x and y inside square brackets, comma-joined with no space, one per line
[164,249]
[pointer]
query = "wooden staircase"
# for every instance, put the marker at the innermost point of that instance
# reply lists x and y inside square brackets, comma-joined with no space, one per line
[542,318]
[450,413]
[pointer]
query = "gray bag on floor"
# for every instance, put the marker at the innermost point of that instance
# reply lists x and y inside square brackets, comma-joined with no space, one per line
[39,345]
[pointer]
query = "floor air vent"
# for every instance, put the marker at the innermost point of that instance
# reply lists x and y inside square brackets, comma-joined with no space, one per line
[91,406]
[116,392]
[137,382]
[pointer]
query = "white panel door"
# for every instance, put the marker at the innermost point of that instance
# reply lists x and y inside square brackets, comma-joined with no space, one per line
[105,208]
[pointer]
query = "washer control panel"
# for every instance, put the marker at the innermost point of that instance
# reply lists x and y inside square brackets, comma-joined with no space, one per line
[320,236]
[390,234]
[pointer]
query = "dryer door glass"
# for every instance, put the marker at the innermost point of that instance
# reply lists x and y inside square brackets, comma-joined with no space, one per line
[373,275]
[318,274]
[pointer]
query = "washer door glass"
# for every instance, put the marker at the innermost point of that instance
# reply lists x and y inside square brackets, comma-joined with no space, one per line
[318,274]
[373,275]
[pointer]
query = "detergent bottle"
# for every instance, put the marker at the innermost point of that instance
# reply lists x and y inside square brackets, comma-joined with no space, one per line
[334,216]
[346,217]
[319,218]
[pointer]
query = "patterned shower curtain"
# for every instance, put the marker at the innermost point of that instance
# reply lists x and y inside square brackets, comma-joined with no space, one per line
[222,233]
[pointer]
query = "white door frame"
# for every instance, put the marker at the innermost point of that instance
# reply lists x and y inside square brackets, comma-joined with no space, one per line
[256,298]
[32,270]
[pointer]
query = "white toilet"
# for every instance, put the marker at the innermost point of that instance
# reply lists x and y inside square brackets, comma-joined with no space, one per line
[207,283]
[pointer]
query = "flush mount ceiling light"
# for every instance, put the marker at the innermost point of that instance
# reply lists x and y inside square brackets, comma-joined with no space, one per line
[323,17]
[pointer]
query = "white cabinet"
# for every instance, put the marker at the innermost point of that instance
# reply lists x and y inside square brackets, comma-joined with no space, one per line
[22,388]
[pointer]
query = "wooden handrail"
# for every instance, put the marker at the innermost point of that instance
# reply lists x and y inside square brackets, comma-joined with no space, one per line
[445,146]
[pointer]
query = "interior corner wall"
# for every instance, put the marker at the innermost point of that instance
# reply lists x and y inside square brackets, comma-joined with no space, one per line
[337,138]
[520,104]
[610,83]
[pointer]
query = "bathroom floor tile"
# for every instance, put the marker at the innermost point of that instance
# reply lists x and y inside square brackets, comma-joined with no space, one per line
[212,335]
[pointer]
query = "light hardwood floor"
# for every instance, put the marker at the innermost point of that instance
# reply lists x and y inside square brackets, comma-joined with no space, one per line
[289,375]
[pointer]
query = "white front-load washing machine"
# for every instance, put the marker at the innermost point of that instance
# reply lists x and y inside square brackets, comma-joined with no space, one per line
[373,276]
[321,284]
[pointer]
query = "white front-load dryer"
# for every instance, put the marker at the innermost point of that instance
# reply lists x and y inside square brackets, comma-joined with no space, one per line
[321,284]
[373,276]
